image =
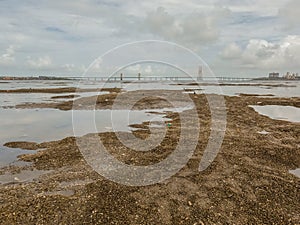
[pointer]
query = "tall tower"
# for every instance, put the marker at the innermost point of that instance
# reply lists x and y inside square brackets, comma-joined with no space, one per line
[200,73]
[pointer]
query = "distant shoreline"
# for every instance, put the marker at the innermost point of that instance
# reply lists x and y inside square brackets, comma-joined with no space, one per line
[7,78]
[277,79]
[229,79]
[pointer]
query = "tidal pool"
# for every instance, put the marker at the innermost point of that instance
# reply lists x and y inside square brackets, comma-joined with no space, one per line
[40,125]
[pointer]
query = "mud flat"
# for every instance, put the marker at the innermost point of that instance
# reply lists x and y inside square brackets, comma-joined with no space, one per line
[64,96]
[248,182]
[107,101]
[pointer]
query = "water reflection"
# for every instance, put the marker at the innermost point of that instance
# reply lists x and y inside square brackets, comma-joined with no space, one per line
[40,125]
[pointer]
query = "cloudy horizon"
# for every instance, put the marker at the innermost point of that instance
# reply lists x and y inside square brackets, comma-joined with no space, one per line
[235,38]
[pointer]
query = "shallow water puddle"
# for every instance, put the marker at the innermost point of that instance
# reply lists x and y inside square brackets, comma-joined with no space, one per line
[8,100]
[41,125]
[9,156]
[74,183]
[263,132]
[50,124]
[295,172]
[278,112]
[67,188]
[23,176]
[66,193]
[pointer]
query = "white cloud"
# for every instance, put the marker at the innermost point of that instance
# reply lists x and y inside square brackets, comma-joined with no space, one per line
[148,69]
[264,54]
[137,68]
[73,69]
[39,63]
[8,58]
[69,67]
[96,67]
[231,51]
[284,54]
[97,64]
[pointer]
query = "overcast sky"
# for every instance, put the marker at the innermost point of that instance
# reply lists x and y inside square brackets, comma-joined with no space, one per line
[234,37]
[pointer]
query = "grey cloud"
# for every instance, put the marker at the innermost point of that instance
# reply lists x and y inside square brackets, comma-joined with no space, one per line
[74,33]
[192,29]
[290,13]
[258,7]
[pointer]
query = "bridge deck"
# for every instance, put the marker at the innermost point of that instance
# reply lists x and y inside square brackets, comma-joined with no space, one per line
[162,78]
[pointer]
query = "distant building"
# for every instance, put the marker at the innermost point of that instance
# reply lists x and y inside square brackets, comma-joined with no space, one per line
[273,75]
[291,76]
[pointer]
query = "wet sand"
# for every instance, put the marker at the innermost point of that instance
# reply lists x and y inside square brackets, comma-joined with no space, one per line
[64,96]
[248,182]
